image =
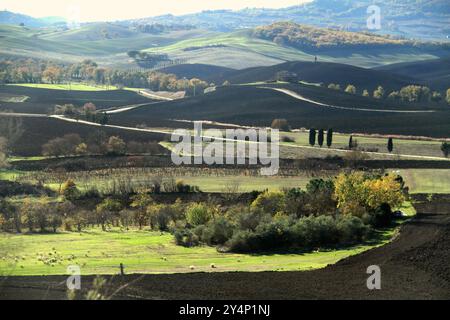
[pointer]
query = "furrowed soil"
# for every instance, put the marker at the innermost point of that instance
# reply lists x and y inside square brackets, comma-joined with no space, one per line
[413,266]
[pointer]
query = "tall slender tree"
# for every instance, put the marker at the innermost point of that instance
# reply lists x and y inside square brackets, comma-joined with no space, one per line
[320,138]
[445,148]
[312,137]
[350,142]
[390,145]
[329,137]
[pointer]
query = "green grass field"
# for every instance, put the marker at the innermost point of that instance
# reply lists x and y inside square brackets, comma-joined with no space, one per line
[98,252]
[427,180]
[401,146]
[67,87]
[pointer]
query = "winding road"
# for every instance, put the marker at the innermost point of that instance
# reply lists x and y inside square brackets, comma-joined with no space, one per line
[320,104]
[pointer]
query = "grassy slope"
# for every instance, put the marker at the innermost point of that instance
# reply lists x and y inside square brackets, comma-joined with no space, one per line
[401,146]
[434,72]
[78,44]
[243,51]
[99,252]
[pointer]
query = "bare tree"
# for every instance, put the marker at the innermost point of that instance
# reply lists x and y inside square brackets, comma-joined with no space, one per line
[231,189]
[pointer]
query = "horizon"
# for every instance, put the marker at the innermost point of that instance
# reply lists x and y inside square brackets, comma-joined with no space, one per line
[86,11]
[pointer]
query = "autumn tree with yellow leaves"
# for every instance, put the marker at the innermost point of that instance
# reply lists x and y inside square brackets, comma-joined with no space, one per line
[357,193]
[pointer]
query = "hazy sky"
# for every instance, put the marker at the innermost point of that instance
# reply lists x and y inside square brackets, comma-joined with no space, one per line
[95,10]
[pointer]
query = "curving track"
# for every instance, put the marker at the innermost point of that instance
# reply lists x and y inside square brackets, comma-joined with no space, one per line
[297,96]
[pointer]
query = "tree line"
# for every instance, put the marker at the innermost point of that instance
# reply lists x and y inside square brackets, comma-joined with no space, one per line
[98,143]
[40,71]
[407,94]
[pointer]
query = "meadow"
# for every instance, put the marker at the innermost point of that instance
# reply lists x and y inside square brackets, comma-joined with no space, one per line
[98,252]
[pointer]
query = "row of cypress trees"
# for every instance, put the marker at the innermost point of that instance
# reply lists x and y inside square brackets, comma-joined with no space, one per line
[320,137]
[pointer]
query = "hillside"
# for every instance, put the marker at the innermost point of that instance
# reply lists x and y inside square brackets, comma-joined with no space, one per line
[436,72]
[319,72]
[318,39]
[11,18]
[100,41]
[108,44]
[241,49]
[92,32]
[197,70]
[248,105]
[41,101]
[39,131]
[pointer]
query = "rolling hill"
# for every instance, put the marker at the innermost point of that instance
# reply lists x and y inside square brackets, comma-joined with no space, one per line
[92,32]
[11,18]
[38,131]
[99,41]
[197,70]
[436,73]
[425,19]
[252,105]
[41,101]
[108,44]
[319,72]
[245,48]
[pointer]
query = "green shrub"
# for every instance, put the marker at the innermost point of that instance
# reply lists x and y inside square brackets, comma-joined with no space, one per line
[269,201]
[351,229]
[70,191]
[197,214]
[186,238]
[217,232]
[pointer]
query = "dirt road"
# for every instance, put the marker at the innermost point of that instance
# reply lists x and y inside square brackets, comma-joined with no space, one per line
[300,97]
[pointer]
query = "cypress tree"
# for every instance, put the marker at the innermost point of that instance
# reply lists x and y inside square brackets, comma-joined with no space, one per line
[329,137]
[390,145]
[320,138]
[350,143]
[312,137]
[104,119]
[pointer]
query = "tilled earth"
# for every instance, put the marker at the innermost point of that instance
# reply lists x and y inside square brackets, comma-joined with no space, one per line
[413,266]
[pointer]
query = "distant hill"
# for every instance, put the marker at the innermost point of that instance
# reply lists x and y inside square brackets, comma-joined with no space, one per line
[93,32]
[320,39]
[11,18]
[197,70]
[320,72]
[424,19]
[434,72]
